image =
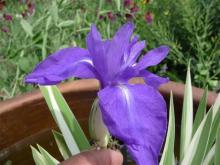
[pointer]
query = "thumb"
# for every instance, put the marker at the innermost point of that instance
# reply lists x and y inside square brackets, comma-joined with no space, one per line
[95,157]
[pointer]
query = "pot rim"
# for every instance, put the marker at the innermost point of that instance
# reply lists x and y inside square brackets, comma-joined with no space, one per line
[93,85]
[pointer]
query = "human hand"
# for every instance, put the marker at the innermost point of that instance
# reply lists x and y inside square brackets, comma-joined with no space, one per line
[96,157]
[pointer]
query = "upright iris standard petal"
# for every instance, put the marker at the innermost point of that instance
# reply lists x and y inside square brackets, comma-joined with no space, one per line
[61,65]
[127,71]
[136,114]
[152,79]
[92,38]
[134,52]
[153,57]
[98,50]
[117,48]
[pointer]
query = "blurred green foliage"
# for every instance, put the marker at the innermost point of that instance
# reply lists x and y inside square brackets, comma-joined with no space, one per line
[189,27]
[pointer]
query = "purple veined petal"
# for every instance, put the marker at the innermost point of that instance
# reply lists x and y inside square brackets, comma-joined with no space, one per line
[61,65]
[153,57]
[127,70]
[98,50]
[125,75]
[142,154]
[135,52]
[135,114]
[117,47]
[124,33]
[134,40]
[92,38]
[100,61]
[152,79]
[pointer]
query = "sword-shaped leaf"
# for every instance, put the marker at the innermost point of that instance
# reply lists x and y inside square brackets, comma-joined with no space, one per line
[199,141]
[65,119]
[64,151]
[168,152]
[217,148]
[187,117]
[50,160]
[201,111]
[38,158]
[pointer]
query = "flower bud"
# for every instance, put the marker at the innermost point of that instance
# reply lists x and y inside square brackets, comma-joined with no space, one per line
[97,128]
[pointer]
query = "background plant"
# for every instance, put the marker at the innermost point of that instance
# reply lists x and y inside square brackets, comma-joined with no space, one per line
[199,140]
[38,28]
[190,28]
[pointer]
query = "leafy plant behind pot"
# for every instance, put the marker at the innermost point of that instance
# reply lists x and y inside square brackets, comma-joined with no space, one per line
[199,141]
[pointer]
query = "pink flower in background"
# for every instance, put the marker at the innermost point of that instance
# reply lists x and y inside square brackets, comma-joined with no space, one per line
[31,7]
[128,3]
[134,8]
[148,17]
[101,17]
[111,16]
[5,29]
[7,17]
[2,4]
[129,17]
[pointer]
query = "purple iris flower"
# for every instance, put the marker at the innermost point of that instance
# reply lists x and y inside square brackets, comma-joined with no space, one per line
[134,113]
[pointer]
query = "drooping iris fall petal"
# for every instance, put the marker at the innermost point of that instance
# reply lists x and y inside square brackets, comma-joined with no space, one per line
[135,114]
[65,63]
[152,79]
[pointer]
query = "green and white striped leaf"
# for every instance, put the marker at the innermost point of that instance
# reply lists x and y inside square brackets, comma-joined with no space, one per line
[201,111]
[214,128]
[62,124]
[199,142]
[216,106]
[217,148]
[209,159]
[168,152]
[65,119]
[64,151]
[187,117]
[50,160]
[203,141]
[38,158]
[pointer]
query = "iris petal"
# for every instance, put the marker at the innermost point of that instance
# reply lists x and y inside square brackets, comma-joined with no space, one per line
[61,65]
[135,114]
[117,47]
[152,79]
[124,34]
[135,52]
[153,57]
[98,50]
[93,37]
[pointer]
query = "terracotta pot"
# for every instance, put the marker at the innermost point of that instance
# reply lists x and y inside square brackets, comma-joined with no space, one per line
[25,120]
